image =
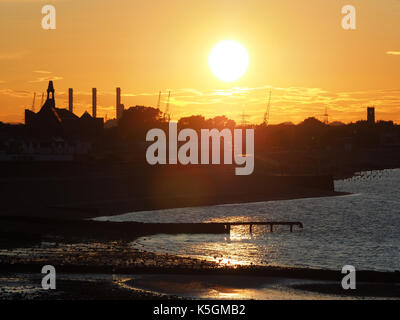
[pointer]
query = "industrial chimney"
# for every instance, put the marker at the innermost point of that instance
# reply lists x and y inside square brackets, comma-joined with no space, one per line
[94,102]
[119,106]
[371,115]
[70,100]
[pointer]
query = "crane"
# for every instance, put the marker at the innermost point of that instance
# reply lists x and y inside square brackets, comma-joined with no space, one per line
[33,102]
[159,100]
[266,114]
[41,103]
[167,116]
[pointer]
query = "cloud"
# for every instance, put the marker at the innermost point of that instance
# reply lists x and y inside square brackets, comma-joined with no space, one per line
[288,104]
[12,55]
[15,93]
[45,79]
[42,71]
[394,53]
[24,1]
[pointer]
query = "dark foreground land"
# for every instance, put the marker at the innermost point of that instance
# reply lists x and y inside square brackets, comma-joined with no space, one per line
[88,248]
[80,189]
[43,220]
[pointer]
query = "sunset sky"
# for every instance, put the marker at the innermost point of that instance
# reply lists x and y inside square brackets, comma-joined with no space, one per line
[297,48]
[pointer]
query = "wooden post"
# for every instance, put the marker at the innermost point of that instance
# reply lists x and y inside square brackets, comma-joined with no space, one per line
[228,228]
[251,228]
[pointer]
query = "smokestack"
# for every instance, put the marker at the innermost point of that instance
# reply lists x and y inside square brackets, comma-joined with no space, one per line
[70,100]
[371,115]
[118,104]
[94,102]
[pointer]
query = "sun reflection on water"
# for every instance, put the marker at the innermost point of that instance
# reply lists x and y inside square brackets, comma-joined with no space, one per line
[237,248]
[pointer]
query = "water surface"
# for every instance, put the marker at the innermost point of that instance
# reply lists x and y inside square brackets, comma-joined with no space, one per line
[361,229]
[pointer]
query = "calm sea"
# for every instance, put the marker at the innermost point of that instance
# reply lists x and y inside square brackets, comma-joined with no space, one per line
[361,229]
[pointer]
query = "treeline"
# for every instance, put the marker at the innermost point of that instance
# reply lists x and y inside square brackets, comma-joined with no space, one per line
[310,133]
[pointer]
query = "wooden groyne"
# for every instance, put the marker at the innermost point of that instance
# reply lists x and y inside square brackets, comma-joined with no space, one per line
[32,230]
[271,224]
[213,227]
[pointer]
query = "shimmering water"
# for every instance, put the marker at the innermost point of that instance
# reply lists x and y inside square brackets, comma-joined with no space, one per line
[362,229]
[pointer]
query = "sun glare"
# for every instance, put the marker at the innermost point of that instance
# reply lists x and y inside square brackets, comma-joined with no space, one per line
[228,60]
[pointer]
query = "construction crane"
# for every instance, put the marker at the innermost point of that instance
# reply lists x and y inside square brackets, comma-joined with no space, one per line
[167,115]
[266,114]
[159,100]
[326,116]
[33,102]
[41,103]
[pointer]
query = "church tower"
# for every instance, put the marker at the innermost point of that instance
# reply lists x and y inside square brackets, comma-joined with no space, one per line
[50,89]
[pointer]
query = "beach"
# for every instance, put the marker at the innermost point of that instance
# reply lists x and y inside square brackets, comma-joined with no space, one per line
[113,256]
[109,269]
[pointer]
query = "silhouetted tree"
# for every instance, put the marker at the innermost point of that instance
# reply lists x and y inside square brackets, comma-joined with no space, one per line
[193,122]
[311,132]
[136,121]
[221,122]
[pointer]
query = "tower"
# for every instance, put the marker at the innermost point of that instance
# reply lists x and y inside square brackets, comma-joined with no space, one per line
[119,106]
[244,121]
[70,100]
[371,115]
[50,90]
[326,116]
[94,102]
[266,114]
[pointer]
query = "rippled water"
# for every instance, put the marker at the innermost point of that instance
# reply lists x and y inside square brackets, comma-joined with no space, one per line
[362,229]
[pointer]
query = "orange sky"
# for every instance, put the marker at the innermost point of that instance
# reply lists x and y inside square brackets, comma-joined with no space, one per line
[298,48]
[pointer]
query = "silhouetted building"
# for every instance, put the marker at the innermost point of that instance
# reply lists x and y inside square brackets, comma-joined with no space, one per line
[371,115]
[51,121]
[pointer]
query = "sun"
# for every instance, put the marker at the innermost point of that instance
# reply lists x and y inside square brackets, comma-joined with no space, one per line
[228,60]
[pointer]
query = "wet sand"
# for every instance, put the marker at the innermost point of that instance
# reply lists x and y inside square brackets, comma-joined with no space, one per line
[27,286]
[90,248]
[259,288]
[86,260]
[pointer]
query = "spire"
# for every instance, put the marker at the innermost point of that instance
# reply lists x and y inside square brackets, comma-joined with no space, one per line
[50,89]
